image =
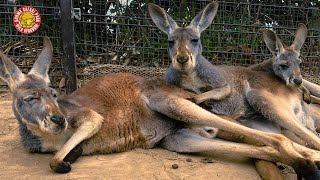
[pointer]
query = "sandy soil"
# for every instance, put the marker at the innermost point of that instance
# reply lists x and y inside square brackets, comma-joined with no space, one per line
[16,163]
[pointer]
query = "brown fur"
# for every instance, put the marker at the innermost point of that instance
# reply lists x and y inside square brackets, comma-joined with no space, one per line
[119,112]
[258,94]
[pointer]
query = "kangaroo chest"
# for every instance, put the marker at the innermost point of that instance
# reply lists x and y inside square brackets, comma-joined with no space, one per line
[193,83]
[51,142]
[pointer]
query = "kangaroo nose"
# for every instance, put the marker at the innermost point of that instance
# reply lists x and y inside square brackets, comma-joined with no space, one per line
[297,81]
[182,59]
[58,120]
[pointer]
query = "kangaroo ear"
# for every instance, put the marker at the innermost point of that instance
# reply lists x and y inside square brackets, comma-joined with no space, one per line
[4,75]
[42,64]
[9,72]
[301,35]
[272,41]
[205,17]
[162,20]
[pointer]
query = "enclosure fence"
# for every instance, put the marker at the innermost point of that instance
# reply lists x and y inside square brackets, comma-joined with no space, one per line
[119,36]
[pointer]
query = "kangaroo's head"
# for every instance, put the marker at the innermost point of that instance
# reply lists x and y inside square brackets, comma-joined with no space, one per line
[184,42]
[34,102]
[286,60]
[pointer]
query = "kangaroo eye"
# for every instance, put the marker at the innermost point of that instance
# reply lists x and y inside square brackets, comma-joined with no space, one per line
[30,98]
[171,43]
[194,40]
[284,67]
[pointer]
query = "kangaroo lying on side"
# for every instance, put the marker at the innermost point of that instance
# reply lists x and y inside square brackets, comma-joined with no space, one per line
[265,100]
[119,112]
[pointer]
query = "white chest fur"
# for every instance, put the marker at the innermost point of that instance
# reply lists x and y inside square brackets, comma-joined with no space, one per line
[51,142]
[192,82]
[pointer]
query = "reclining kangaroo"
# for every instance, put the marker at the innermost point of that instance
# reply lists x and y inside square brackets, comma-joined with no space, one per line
[266,101]
[119,112]
[192,71]
[285,62]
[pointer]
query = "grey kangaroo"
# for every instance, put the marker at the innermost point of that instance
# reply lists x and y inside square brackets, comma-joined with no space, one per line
[266,101]
[260,95]
[285,62]
[119,112]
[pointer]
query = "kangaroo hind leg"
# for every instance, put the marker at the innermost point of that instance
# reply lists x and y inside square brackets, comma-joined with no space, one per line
[188,112]
[278,110]
[187,141]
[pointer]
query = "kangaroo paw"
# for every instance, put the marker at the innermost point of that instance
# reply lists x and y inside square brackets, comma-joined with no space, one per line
[74,154]
[307,169]
[307,98]
[60,167]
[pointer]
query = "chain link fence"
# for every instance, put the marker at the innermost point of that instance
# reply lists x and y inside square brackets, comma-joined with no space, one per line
[120,33]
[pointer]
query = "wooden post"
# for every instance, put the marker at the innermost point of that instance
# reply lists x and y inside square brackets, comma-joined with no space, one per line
[69,60]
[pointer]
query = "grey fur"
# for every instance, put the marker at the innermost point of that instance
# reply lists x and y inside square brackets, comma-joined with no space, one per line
[258,94]
[120,112]
[139,113]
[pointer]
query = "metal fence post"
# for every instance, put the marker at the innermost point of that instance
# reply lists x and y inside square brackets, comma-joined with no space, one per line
[69,60]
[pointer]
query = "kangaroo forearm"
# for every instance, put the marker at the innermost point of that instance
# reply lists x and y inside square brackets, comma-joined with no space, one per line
[215,94]
[88,124]
[315,99]
[313,88]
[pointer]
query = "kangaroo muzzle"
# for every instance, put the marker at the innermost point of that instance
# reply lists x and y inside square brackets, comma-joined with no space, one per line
[297,81]
[182,59]
[183,54]
[297,78]
[58,120]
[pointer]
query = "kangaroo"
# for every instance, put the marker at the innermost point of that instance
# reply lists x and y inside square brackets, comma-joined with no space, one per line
[260,95]
[268,103]
[287,68]
[120,112]
[285,62]
[187,73]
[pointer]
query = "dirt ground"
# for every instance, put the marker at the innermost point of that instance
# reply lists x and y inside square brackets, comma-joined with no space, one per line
[140,164]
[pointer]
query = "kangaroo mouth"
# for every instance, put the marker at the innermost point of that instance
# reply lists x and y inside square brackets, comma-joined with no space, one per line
[54,127]
[291,82]
[185,66]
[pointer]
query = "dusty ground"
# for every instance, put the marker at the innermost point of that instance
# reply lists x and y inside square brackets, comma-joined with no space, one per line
[16,163]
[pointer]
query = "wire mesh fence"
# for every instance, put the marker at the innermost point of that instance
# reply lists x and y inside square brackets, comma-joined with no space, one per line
[120,32]
[23,49]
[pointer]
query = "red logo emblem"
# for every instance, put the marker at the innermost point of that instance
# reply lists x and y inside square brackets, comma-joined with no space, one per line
[26,20]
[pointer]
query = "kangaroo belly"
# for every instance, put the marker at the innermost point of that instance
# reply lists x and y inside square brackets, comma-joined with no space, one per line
[129,130]
[128,122]
[229,106]
[257,121]
[305,116]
